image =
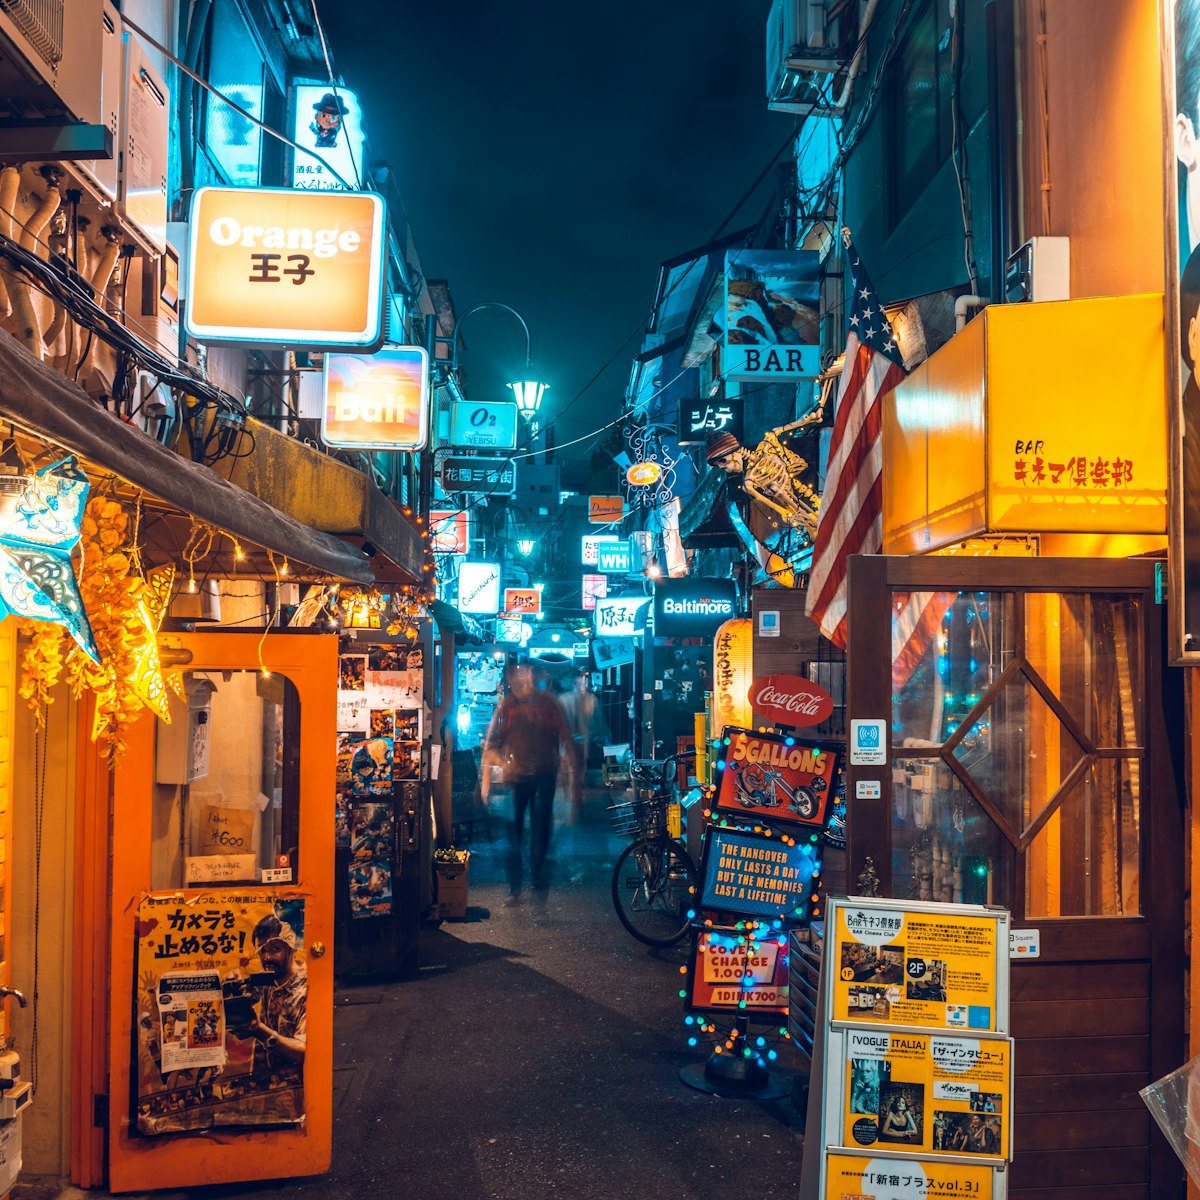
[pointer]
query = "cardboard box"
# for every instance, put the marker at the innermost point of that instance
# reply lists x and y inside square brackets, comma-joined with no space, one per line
[452,888]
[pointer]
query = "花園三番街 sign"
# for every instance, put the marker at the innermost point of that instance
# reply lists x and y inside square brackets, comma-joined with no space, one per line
[377,401]
[287,267]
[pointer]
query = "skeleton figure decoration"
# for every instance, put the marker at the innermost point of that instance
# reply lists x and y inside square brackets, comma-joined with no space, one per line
[770,474]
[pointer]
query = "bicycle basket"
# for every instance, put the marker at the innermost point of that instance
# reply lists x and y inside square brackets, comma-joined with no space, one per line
[637,817]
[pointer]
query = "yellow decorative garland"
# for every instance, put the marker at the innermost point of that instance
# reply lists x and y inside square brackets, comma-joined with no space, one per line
[125,611]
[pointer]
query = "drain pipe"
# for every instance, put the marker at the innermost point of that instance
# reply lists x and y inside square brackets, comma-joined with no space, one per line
[962,306]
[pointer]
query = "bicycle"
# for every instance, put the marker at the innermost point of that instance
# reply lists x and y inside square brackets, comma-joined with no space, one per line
[654,881]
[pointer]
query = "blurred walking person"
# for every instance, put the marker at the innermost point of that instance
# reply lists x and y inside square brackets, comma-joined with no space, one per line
[526,743]
[585,721]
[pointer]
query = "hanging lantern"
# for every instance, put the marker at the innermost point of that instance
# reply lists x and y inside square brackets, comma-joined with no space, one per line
[40,517]
[733,671]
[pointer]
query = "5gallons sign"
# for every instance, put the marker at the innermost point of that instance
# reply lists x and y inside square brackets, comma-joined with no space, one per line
[693,607]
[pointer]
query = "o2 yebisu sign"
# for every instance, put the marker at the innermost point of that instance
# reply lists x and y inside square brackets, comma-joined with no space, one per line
[288,267]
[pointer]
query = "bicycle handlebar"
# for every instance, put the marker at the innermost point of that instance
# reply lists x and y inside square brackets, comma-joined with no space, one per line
[658,769]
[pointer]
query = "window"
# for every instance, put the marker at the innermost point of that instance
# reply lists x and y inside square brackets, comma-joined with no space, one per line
[227,783]
[237,70]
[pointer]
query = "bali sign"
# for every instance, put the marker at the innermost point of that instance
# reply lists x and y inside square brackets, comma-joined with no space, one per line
[286,267]
[377,401]
[790,700]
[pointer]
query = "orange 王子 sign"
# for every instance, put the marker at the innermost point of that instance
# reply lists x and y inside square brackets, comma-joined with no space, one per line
[286,266]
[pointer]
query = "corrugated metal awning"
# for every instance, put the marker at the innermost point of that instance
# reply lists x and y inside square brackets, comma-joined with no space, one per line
[39,401]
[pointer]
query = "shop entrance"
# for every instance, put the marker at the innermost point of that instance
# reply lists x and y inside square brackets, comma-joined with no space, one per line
[221,1001]
[1026,764]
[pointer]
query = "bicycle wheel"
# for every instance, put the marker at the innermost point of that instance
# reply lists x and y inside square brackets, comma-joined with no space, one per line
[653,889]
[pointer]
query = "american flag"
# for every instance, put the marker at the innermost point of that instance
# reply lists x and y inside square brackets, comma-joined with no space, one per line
[851,517]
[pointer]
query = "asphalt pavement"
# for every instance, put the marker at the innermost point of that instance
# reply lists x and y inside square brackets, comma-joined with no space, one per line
[537,1054]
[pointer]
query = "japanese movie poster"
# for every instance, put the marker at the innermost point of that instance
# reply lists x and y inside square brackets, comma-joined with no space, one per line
[769,777]
[221,1003]
[394,676]
[928,1092]
[371,838]
[914,968]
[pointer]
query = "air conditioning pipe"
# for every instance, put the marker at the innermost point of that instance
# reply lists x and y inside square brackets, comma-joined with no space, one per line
[962,306]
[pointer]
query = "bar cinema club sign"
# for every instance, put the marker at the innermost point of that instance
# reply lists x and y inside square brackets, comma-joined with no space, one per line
[286,267]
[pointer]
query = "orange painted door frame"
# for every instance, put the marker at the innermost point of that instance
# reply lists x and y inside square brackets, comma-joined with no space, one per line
[138,1163]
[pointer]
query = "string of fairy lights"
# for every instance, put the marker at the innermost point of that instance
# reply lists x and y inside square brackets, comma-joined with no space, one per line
[745,939]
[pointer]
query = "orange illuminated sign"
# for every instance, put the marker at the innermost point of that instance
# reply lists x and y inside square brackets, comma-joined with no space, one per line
[377,401]
[643,474]
[604,509]
[522,601]
[286,266]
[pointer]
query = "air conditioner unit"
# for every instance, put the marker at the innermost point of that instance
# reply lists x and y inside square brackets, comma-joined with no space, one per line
[1040,270]
[801,61]
[102,173]
[145,121]
[50,61]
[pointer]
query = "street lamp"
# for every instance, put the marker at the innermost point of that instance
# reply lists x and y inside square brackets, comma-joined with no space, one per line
[526,545]
[528,389]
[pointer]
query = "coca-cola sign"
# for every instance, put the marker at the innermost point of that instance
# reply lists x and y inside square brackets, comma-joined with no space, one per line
[790,700]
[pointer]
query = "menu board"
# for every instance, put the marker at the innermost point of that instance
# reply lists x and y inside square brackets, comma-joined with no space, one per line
[920,967]
[850,1176]
[927,1091]
[913,1053]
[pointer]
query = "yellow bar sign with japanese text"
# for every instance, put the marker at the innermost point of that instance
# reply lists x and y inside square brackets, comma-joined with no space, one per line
[289,267]
[928,1092]
[915,968]
[849,1177]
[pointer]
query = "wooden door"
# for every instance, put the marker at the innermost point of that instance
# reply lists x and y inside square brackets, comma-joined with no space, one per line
[241,783]
[1029,767]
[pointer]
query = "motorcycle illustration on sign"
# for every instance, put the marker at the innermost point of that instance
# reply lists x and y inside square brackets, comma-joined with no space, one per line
[774,778]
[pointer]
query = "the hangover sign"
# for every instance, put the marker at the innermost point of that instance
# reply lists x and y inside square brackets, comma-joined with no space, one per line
[753,875]
[285,266]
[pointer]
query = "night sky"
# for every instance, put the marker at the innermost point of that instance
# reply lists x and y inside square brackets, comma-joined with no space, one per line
[551,155]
